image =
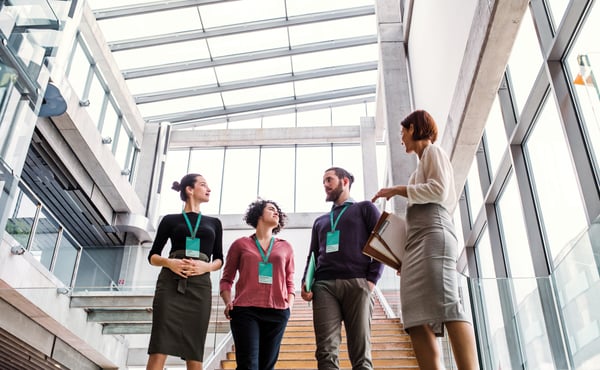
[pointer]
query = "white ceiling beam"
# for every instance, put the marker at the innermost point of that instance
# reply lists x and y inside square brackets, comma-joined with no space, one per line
[235,29]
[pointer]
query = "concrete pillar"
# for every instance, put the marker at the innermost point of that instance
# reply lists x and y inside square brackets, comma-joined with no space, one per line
[394,98]
[369,156]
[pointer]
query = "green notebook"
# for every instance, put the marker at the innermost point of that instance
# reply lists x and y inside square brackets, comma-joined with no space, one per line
[310,273]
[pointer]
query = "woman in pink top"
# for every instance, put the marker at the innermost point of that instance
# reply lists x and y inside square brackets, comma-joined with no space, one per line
[264,291]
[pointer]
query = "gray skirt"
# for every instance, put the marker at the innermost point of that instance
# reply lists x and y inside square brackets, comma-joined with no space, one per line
[429,280]
[180,314]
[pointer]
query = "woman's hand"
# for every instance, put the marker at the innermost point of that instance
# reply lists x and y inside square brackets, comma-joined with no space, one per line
[228,308]
[188,267]
[179,266]
[387,193]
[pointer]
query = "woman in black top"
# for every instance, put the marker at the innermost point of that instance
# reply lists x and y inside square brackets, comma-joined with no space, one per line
[183,295]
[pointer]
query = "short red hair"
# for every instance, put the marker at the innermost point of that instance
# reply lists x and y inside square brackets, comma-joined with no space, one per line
[424,125]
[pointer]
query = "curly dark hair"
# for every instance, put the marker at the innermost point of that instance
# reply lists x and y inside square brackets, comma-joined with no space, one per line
[255,211]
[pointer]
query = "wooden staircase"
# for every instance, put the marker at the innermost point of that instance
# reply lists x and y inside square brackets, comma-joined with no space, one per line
[391,346]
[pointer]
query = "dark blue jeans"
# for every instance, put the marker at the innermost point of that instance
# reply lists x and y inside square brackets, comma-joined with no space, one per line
[257,334]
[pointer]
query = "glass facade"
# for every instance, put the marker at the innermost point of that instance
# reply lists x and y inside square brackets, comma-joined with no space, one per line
[538,229]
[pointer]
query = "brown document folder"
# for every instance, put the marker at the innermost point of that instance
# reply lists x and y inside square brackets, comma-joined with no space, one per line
[387,240]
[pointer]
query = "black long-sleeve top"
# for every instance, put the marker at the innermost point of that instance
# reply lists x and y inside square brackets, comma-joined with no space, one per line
[174,227]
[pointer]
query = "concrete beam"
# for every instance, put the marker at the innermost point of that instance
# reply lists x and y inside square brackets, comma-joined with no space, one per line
[265,136]
[493,32]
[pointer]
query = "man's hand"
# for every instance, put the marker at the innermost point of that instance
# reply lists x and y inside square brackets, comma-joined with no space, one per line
[307,296]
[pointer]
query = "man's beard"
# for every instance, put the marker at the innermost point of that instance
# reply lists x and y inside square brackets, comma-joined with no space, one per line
[334,194]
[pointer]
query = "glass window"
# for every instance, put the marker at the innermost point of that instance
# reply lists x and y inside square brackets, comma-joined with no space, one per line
[557,10]
[349,115]
[311,163]
[554,180]
[79,70]
[494,343]
[20,219]
[496,141]
[281,120]
[583,63]
[123,147]
[240,179]
[533,335]
[512,225]
[349,157]
[578,284]
[314,118]
[96,96]
[485,260]
[276,180]
[175,167]
[475,194]
[525,61]
[109,123]
[209,164]
[44,240]
[66,259]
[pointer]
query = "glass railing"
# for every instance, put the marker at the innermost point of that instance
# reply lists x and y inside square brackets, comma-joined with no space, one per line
[548,322]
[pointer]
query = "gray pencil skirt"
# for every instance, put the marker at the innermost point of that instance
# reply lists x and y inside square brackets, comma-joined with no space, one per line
[180,315]
[429,280]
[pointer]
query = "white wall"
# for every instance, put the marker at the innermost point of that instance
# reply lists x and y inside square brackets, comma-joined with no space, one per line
[436,45]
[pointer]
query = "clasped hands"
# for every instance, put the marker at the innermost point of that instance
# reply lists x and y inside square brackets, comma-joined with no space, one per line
[188,267]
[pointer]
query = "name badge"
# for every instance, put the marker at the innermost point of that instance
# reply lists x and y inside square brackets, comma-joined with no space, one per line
[333,241]
[192,247]
[265,273]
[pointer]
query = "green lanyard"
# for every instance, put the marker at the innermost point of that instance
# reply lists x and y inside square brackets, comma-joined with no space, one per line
[187,221]
[262,253]
[334,224]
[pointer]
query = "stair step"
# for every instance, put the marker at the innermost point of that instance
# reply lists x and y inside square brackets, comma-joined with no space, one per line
[395,363]
[391,345]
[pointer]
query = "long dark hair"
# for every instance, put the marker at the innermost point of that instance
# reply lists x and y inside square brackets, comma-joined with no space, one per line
[187,180]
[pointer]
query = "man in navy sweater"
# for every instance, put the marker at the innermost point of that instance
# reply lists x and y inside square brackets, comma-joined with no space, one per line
[344,277]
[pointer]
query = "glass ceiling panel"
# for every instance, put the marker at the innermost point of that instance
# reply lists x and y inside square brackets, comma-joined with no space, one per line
[150,24]
[295,7]
[258,94]
[350,115]
[170,81]
[225,75]
[315,118]
[248,42]
[226,13]
[283,120]
[180,105]
[162,54]
[335,82]
[321,59]
[259,68]
[338,29]
[248,123]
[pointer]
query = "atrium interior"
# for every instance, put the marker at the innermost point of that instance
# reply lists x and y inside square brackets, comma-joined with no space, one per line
[104,103]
